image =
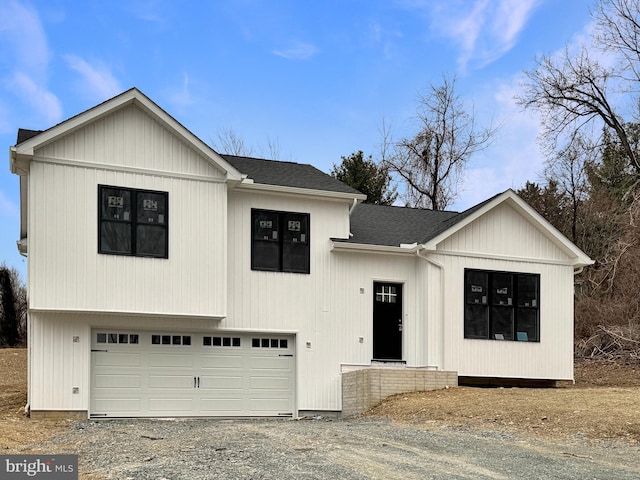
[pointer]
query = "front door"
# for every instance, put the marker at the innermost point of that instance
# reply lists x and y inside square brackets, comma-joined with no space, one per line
[387,321]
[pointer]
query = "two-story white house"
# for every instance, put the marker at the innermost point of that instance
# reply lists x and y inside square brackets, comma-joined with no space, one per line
[165,279]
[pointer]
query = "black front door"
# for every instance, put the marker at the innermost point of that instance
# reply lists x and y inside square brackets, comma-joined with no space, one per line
[387,321]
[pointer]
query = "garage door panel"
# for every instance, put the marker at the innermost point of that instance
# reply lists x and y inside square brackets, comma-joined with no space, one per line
[171,406]
[264,362]
[218,362]
[222,406]
[184,382]
[259,405]
[208,382]
[117,405]
[117,381]
[222,375]
[171,360]
[271,383]
[117,359]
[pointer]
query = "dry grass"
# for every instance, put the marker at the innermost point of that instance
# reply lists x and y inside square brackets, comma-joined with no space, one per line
[18,433]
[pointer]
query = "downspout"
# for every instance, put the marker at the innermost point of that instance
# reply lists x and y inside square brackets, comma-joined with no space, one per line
[442,299]
[353,206]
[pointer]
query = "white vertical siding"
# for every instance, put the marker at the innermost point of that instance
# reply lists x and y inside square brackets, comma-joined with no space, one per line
[551,358]
[503,231]
[66,271]
[130,138]
[298,303]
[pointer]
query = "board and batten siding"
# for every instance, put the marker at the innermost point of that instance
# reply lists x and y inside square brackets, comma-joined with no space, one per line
[130,138]
[505,233]
[66,272]
[324,309]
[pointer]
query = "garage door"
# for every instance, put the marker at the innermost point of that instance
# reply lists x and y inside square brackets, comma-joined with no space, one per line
[159,374]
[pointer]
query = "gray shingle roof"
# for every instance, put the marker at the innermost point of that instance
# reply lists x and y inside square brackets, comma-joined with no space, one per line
[391,226]
[287,174]
[25,134]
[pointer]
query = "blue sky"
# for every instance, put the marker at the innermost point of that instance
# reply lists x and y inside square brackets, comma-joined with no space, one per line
[316,78]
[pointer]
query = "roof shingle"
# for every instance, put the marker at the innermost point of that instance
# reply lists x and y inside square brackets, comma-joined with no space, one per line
[287,174]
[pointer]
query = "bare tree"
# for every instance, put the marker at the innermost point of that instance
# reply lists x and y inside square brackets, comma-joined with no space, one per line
[568,170]
[573,90]
[432,162]
[230,143]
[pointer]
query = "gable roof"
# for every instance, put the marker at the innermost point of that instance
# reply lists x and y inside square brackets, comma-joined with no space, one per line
[289,174]
[413,228]
[29,140]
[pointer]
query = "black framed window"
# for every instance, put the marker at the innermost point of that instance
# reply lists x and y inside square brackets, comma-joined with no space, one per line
[279,241]
[502,305]
[133,222]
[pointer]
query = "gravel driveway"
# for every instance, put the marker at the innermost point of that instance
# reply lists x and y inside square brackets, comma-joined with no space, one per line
[324,449]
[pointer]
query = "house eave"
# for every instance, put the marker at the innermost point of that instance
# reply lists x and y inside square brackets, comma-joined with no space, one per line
[250,186]
[120,313]
[350,247]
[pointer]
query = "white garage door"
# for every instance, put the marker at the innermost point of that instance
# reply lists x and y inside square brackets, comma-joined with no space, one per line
[159,374]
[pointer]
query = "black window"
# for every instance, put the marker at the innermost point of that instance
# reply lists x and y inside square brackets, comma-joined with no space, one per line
[133,222]
[502,305]
[280,241]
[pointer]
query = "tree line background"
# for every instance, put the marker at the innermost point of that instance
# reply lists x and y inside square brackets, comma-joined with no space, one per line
[588,99]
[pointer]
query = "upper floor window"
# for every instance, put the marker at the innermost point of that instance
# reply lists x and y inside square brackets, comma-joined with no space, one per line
[279,241]
[502,305]
[133,222]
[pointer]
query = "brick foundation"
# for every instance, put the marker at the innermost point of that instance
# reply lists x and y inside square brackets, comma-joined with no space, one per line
[58,414]
[362,389]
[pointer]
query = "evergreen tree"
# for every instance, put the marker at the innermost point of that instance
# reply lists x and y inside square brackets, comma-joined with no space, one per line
[367,177]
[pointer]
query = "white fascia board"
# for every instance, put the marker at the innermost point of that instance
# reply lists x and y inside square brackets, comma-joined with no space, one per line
[250,186]
[124,99]
[339,246]
[118,313]
[552,233]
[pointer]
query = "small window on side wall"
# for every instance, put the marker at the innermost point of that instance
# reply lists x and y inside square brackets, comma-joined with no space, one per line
[132,222]
[280,241]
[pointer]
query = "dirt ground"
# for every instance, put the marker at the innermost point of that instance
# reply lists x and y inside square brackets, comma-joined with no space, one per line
[603,404]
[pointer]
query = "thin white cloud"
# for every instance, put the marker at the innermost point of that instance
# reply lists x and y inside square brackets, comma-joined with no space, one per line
[297,51]
[147,11]
[514,158]
[384,37]
[24,36]
[97,80]
[182,96]
[41,100]
[484,30]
